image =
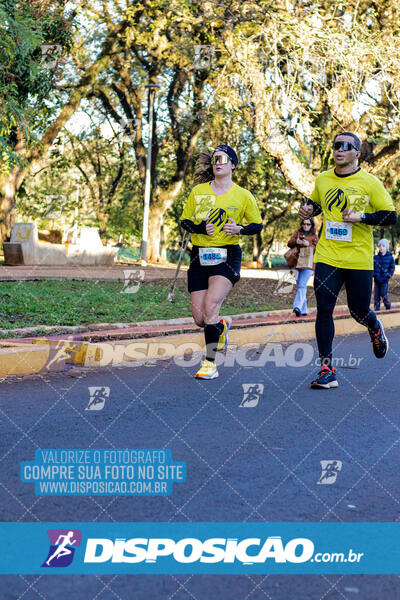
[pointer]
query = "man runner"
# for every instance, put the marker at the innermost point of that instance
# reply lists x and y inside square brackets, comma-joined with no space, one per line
[351,200]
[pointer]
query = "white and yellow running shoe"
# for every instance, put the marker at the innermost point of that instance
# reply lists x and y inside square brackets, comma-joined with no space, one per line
[208,370]
[224,337]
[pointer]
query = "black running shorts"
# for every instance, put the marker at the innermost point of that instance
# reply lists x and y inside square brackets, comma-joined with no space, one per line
[198,275]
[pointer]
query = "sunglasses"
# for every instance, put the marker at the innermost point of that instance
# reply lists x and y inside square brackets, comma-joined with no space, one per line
[306,224]
[345,145]
[220,159]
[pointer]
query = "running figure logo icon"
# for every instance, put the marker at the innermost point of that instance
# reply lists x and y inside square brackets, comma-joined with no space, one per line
[133,280]
[98,397]
[286,283]
[330,470]
[251,394]
[63,543]
[203,56]
[61,354]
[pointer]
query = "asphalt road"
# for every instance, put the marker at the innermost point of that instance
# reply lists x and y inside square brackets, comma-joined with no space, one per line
[249,458]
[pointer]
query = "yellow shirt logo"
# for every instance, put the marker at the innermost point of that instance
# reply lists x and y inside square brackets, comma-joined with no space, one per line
[218,217]
[336,198]
[204,203]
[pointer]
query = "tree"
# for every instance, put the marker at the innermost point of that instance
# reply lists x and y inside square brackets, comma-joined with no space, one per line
[152,50]
[51,115]
[275,78]
[32,33]
[101,162]
[309,71]
[89,178]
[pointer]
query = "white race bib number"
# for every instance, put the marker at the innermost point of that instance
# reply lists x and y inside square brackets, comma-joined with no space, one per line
[209,257]
[340,232]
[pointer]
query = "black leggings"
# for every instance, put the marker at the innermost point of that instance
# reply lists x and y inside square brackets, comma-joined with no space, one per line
[328,281]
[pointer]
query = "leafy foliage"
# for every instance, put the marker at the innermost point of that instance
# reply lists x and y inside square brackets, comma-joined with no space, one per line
[276,80]
[24,78]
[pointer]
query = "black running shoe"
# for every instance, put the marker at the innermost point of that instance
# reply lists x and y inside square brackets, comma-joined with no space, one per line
[326,378]
[380,343]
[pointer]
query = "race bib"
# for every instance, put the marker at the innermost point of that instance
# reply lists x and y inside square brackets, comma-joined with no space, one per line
[340,232]
[209,257]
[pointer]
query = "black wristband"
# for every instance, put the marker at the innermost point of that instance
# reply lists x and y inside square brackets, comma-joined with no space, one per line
[381,217]
[191,227]
[250,229]
[317,210]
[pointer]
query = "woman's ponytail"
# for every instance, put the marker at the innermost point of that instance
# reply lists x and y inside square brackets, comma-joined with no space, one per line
[204,171]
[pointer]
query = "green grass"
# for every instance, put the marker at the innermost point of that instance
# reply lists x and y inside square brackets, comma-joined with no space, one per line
[38,303]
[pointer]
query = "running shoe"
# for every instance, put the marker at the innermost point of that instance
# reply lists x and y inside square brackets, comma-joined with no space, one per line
[224,337]
[297,312]
[380,343]
[326,378]
[208,370]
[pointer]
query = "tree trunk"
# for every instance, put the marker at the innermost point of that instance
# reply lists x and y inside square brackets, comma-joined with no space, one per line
[163,240]
[8,189]
[103,221]
[158,209]
[257,247]
[268,250]
[153,244]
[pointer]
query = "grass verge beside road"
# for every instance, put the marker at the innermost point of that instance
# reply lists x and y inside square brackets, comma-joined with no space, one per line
[65,302]
[71,302]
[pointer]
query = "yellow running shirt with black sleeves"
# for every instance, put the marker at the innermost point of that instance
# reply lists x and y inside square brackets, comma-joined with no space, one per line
[363,193]
[237,204]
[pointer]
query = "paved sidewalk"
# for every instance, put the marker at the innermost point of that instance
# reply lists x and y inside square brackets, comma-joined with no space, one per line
[116,272]
[105,273]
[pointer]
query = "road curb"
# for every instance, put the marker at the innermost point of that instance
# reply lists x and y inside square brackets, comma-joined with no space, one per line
[67,330]
[44,355]
[107,354]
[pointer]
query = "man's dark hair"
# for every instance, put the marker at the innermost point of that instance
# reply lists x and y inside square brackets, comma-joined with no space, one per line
[353,135]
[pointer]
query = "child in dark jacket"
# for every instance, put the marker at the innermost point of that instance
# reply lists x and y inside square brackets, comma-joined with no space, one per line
[383,271]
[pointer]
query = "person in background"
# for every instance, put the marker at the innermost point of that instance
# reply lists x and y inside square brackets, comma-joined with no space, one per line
[306,240]
[383,271]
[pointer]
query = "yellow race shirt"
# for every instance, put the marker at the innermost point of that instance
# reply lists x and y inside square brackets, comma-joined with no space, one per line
[363,193]
[237,204]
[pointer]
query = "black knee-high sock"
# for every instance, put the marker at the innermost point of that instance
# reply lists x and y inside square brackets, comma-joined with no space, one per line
[212,333]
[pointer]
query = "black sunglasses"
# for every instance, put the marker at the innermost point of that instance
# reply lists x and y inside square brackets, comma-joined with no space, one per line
[345,145]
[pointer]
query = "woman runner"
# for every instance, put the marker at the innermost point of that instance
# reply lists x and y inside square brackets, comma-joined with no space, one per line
[213,215]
